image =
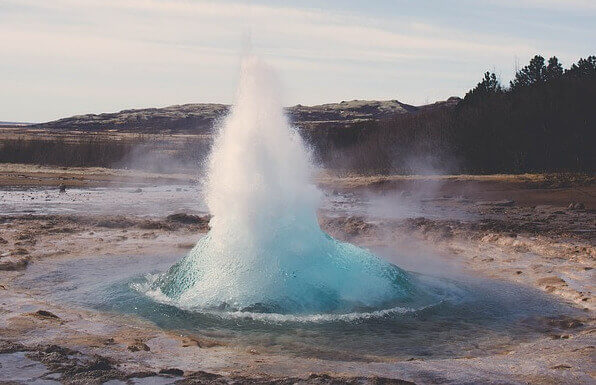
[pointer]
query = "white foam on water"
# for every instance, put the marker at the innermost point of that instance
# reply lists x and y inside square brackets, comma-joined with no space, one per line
[157,295]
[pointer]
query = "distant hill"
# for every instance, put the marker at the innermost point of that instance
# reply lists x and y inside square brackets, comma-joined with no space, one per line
[200,118]
[187,117]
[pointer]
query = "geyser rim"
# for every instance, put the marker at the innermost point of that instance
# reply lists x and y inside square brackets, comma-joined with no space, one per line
[147,289]
[278,318]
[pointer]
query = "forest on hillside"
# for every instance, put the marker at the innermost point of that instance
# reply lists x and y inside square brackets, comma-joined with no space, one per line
[543,121]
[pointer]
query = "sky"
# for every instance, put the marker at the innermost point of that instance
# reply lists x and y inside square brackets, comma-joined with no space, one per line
[66,57]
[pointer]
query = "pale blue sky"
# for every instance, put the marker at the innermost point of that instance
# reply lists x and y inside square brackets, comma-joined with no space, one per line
[67,57]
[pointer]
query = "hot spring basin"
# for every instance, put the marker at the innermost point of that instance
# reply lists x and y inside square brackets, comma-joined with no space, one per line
[474,317]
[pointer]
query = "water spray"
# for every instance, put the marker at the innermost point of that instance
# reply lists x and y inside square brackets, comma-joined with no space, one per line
[265,251]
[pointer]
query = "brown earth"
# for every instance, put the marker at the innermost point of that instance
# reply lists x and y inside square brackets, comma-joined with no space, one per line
[533,230]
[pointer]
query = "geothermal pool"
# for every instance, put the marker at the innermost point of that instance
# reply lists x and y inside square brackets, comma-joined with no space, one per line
[472,317]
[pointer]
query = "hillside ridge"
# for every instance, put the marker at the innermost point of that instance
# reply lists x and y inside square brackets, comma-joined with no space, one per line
[201,117]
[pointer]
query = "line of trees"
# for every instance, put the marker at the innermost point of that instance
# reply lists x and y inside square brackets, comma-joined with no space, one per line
[545,121]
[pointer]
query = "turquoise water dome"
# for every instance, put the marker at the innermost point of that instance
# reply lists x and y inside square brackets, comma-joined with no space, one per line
[265,251]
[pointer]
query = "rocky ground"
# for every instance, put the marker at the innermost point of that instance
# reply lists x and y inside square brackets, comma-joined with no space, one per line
[544,241]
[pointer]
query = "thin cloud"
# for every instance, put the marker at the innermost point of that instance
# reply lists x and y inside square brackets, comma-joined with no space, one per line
[557,5]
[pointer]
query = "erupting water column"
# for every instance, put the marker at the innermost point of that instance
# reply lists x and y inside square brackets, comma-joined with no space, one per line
[265,251]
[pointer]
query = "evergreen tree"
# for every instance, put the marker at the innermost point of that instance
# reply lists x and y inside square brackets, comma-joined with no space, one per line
[554,69]
[533,73]
[584,69]
[489,85]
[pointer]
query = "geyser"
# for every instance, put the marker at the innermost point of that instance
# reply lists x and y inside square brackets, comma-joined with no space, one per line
[265,251]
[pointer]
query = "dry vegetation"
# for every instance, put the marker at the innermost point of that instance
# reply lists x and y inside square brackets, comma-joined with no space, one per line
[162,153]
